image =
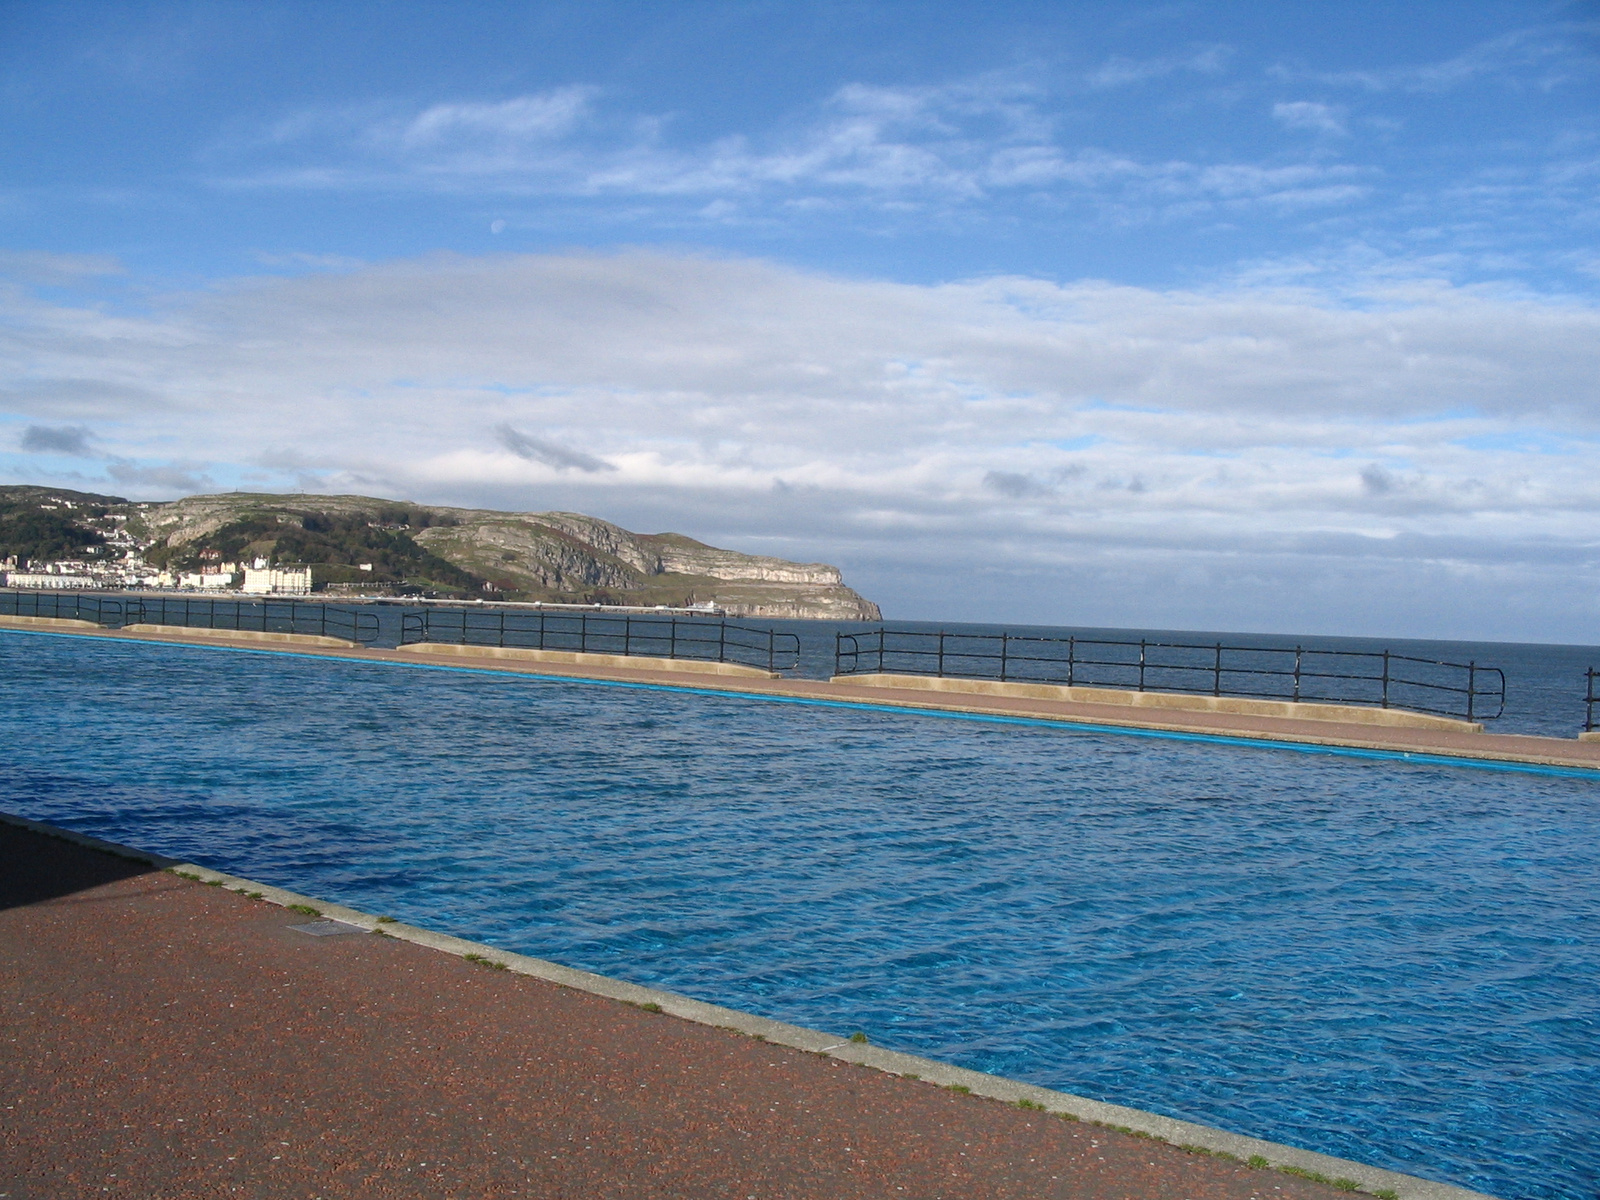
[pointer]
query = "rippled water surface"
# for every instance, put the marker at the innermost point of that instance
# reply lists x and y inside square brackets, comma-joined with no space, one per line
[1390,962]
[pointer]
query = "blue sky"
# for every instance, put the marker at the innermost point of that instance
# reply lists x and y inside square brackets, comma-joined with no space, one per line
[1204,315]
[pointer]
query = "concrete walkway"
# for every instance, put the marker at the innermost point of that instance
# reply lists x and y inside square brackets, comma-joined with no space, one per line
[162,1038]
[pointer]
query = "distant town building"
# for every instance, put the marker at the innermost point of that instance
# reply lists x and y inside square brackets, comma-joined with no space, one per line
[29,579]
[262,580]
[208,580]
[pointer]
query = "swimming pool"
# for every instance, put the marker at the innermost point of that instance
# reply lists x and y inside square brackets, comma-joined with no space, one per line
[1385,961]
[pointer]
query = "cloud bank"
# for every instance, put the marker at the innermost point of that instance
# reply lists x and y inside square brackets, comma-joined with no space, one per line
[1404,456]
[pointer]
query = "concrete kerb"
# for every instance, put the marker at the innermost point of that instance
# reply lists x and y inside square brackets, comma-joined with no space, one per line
[1186,1135]
[206,633]
[578,658]
[1343,714]
[65,624]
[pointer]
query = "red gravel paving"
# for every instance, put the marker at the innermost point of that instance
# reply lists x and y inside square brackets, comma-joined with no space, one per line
[161,1038]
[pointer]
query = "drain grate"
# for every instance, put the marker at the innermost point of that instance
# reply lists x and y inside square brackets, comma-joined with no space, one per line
[326,928]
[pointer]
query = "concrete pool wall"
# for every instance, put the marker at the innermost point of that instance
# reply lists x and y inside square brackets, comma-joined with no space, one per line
[1445,741]
[1354,714]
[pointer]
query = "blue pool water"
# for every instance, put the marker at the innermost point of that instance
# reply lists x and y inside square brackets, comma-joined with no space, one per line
[1391,962]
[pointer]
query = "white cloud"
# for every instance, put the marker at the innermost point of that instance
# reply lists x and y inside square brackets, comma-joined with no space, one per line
[1119,71]
[1002,423]
[1545,55]
[38,266]
[550,114]
[931,149]
[1309,115]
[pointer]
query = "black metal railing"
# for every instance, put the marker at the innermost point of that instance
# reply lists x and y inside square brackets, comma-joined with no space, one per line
[266,615]
[700,638]
[1379,679]
[66,606]
[1590,700]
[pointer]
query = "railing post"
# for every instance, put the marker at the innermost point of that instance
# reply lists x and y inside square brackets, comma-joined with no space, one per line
[941,654]
[722,641]
[1472,685]
[1297,674]
[1072,658]
[1385,703]
[1005,641]
[627,634]
[1141,664]
[672,637]
[1216,673]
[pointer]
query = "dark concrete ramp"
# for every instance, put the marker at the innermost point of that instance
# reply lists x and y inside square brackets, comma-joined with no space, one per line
[34,869]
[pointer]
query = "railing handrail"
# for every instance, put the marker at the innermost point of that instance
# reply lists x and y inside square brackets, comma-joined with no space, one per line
[971,655]
[269,613]
[628,634]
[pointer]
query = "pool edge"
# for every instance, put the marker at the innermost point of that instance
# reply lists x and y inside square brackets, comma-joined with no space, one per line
[1481,757]
[1184,1134]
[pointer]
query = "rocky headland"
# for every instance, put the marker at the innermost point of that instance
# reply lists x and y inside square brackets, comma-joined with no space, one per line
[368,545]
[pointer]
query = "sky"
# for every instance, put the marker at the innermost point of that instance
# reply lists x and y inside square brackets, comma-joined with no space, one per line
[1213,316]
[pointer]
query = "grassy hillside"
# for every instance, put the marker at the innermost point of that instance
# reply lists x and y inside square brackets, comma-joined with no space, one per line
[336,543]
[37,524]
[417,549]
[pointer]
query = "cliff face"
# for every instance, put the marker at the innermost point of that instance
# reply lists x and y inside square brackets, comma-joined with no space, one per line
[555,556]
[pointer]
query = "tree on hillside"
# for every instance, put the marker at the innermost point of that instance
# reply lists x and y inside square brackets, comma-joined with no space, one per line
[33,535]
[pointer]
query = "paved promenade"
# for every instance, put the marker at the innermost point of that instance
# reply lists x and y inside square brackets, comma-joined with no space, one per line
[162,1038]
